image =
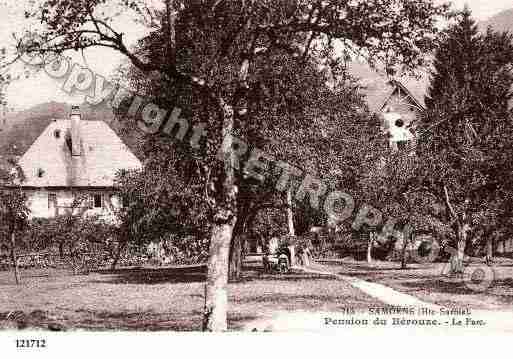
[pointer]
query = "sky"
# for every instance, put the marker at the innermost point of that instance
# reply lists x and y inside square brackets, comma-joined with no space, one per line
[483,9]
[35,89]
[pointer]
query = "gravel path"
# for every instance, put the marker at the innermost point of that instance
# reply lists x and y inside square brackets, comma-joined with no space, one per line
[461,319]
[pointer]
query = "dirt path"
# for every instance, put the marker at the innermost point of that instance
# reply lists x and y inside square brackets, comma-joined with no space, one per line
[385,294]
[462,318]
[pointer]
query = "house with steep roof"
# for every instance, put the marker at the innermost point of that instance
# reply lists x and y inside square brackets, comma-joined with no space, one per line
[398,109]
[71,159]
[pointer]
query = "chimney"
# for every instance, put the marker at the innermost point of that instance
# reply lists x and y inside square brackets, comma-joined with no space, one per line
[4,116]
[75,130]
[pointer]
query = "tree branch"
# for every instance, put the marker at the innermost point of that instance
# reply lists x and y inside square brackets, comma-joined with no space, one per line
[449,205]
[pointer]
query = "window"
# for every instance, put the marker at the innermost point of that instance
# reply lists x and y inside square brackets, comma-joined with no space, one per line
[399,123]
[97,200]
[57,133]
[125,202]
[401,145]
[40,172]
[52,200]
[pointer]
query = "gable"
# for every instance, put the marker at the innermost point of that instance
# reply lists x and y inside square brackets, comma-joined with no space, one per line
[49,163]
[377,87]
[402,97]
[402,103]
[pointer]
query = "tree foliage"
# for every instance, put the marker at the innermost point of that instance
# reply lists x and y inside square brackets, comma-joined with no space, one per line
[217,54]
[13,210]
[466,133]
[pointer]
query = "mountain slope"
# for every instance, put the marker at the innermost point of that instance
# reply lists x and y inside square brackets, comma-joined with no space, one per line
[503,21]
[22,128]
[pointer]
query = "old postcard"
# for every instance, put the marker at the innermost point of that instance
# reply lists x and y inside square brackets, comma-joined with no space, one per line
[254,166]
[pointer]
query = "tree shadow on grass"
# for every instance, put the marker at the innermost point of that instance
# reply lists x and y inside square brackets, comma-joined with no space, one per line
[150,321]
[362,274]
[392,266]
[504,289]
[36,319]
[293,299]
[237,321]
[505,282]
[380,276]
[155,276]
[293,276]
[116,321]
[194,275]
[137,321]
[440,285]
[147,321]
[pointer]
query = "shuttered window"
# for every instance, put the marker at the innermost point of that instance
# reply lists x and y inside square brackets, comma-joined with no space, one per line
[96,200]
[52,200]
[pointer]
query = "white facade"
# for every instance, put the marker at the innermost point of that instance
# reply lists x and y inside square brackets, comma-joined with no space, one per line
[75,161]
[398,129]
[50,203]
[399,113]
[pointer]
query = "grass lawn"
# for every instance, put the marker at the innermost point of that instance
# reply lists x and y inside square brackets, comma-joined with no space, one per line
[426,282]
[160,299]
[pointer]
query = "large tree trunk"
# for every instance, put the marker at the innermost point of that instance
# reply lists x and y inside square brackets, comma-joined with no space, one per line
[121,248]
[404,257]
[13,257]
[216,296]
[61,249]
[236,257]
[458,256]
[462,229]
[292,229]
[489,248]
[237,245]
[306,257]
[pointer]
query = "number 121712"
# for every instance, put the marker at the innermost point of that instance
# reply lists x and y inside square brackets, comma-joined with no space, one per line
[30,343]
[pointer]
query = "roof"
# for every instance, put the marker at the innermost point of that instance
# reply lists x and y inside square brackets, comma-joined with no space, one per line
[48,162]
[398,86]
[378,93]
[377,87]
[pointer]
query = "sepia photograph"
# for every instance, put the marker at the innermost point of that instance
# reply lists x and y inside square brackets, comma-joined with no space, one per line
[337,167]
